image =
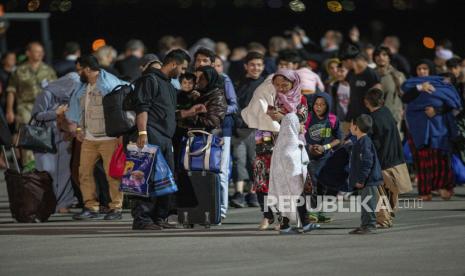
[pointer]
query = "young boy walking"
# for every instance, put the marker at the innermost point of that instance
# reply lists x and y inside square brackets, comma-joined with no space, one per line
[365,172]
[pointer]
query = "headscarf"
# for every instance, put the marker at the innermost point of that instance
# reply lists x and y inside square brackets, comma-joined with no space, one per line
[290,99]
[427,62]
[213,78]
[288,169]
[63,87]
[329,62]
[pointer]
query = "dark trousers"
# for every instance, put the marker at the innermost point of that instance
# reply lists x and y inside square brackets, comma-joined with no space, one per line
[150,210]
[261,200]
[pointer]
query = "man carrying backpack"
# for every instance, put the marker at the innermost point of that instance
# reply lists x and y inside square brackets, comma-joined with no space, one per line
[86,109]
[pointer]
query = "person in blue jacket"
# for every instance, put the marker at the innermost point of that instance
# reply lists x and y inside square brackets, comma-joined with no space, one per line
[365,172]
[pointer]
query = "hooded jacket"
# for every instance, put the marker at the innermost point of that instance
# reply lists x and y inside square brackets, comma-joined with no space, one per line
[54,94]
[326,130]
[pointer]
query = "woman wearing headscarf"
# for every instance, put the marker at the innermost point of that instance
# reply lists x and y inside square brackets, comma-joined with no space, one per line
[50,104]
[210,85]
[276,97]
[431,126]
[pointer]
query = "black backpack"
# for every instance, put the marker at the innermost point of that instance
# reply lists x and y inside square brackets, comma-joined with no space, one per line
[118,120]
[130,101]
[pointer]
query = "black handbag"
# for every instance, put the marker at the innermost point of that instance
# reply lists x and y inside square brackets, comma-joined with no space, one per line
[36,137]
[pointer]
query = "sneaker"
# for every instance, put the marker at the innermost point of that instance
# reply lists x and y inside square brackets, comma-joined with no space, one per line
[362,231]
[288,231]
[252,200]
[86,214]
[166,225]
[313,217]
[322,218]
[114,215]
[238,201]
[310,227]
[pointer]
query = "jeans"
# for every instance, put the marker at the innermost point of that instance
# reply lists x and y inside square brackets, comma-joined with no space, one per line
[369,218]
[244,154]
[224,174]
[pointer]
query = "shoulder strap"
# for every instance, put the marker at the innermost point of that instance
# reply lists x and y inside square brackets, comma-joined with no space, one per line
[332,120]
[309,120]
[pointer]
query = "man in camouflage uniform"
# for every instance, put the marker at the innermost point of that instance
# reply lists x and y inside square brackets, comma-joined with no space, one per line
[24,86]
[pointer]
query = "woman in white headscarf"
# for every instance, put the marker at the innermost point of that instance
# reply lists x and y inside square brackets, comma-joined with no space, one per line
[48,106]
[288,175]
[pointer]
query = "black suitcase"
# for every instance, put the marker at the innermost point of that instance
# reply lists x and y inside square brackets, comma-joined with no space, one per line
[198,199]
[30,195]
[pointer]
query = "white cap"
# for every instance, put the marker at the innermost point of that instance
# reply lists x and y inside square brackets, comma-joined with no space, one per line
[444,54]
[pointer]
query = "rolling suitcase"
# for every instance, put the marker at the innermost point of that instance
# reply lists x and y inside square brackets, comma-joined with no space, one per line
[30,194]
[198,199]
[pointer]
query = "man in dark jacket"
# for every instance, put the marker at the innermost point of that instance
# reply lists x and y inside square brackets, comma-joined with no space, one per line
[365,172]
[129,67]
[386,140]
[156,124]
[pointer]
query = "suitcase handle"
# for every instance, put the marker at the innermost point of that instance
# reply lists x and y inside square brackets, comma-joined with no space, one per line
[14,158]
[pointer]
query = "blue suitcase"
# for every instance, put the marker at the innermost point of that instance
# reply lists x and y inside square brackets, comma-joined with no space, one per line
[198,199]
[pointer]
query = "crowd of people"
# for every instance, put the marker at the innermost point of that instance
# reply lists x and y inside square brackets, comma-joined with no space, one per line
[295,119]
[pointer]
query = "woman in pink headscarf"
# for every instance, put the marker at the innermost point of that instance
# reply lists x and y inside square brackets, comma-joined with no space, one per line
[288,100]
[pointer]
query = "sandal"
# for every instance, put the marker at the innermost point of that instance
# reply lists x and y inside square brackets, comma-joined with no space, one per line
[265,224]
[445,194]
[426,197]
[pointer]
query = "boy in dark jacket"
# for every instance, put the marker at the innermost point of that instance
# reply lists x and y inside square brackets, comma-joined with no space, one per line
[323,134]
[365,172]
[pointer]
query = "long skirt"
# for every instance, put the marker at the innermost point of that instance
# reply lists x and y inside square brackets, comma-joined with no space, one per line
[433,167]
[58,166]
